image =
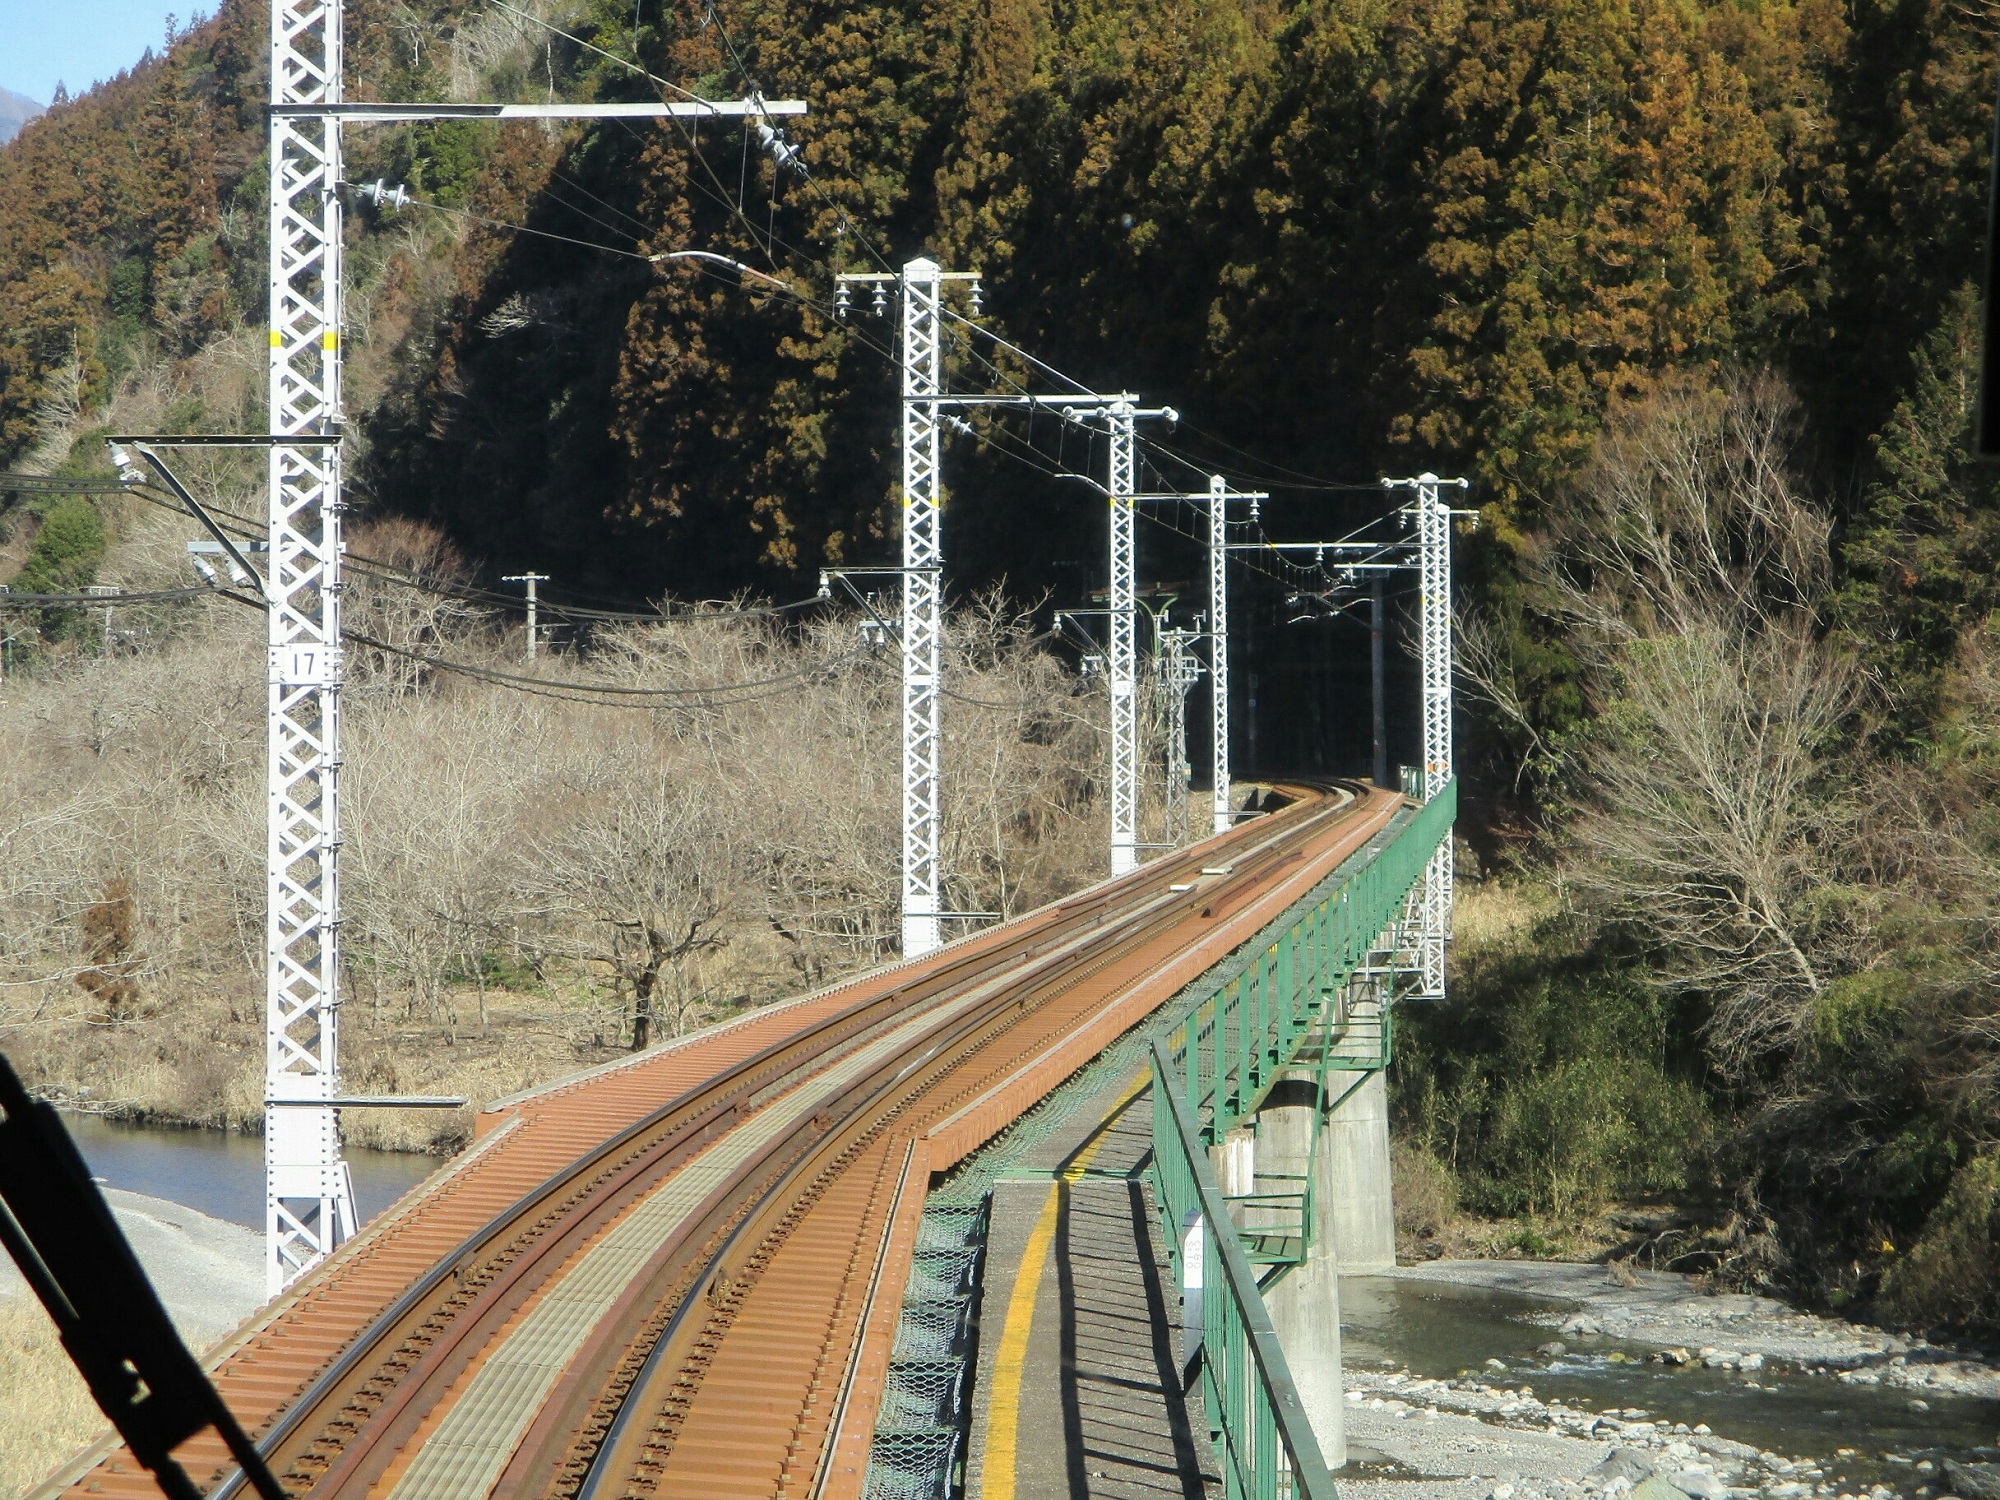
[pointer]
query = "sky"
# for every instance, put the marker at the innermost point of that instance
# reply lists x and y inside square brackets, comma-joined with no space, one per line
[80,42]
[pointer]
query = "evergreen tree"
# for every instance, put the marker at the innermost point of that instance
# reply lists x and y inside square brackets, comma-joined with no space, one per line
[1922,550]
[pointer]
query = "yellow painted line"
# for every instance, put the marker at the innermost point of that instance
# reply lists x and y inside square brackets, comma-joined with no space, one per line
[1010,1361]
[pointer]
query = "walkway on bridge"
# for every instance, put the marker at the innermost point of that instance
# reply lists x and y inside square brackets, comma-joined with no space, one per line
[1079,1390]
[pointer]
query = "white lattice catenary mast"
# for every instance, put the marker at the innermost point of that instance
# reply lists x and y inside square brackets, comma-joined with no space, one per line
[1433,526]
[309,1204]
[309,1196]
[1120,418]
[925,399]
[923,616]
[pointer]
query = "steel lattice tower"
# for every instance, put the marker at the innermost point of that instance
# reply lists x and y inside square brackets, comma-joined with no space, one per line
[1124,653]
[923,625]
[1120,415]
[309,1197]
[1434,618]
[309,1206]
[1218,645]
[1179,672]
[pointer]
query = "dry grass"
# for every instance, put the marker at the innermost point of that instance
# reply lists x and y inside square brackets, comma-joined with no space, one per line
[46,1413]
[1489,914]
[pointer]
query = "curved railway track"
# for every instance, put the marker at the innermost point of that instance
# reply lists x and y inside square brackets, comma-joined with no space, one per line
[679,1275]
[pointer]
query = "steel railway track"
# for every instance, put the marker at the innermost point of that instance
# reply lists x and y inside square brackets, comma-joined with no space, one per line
[677,1308]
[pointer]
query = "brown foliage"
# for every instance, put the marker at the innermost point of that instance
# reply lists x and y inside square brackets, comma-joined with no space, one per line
[593,874]
[109,928]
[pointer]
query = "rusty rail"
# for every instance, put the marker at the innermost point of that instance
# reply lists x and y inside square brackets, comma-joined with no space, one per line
[730,1239]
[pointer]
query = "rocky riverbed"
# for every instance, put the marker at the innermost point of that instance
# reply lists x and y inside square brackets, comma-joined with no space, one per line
[1745,1398]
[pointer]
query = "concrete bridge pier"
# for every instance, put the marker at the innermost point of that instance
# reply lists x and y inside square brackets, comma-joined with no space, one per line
[1304,1302]
[1233,1159]
[1354,1229]
[1355,1202]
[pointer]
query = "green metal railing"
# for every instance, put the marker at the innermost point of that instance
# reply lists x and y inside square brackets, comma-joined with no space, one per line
[1240,1025]
[1267,1447]
[1261,1005]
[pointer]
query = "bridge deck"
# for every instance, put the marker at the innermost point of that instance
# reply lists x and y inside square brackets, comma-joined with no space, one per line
[489,1348]
[290,1341]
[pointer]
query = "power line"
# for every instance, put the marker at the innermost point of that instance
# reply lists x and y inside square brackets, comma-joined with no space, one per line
[721,694]
[743,72]
[1294,479]
[767,240]
[143,596]
[603,695]
[388,572]
[690,132]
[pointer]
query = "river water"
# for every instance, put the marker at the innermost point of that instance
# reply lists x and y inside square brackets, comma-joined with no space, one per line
[1441,1331]
[220,1172]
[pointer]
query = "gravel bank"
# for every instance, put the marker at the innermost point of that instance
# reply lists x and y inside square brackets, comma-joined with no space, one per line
[209,1273]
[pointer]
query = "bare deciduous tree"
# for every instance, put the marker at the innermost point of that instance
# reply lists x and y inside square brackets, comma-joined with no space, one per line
[1713,816]
[726,842]
[647,863]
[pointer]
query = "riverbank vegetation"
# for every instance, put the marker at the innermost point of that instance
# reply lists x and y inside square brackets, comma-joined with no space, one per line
[1745,967]
[45,1408]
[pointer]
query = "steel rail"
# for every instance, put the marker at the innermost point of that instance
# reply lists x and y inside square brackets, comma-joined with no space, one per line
[766,1172]
[671,1133]
[671,1369]
[592,1410]
[372,1396]
[865,1114]
[835,1123]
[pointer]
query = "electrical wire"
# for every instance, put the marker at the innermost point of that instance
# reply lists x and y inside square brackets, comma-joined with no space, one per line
[1008,703]
[602,695]
[1297,480]
[388,572]
[50,484]
[696,257]
[687,94]
[639,226]
[724,694]
[767,242]
[721,194]
[541,234]
[1310,482]
[142,596]
[846,223]
[606,695]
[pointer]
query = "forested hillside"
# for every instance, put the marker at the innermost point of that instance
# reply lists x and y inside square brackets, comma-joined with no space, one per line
[1343,236]
[1686,287]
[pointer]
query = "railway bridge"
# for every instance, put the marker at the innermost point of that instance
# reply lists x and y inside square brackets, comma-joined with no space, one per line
[709,1270]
